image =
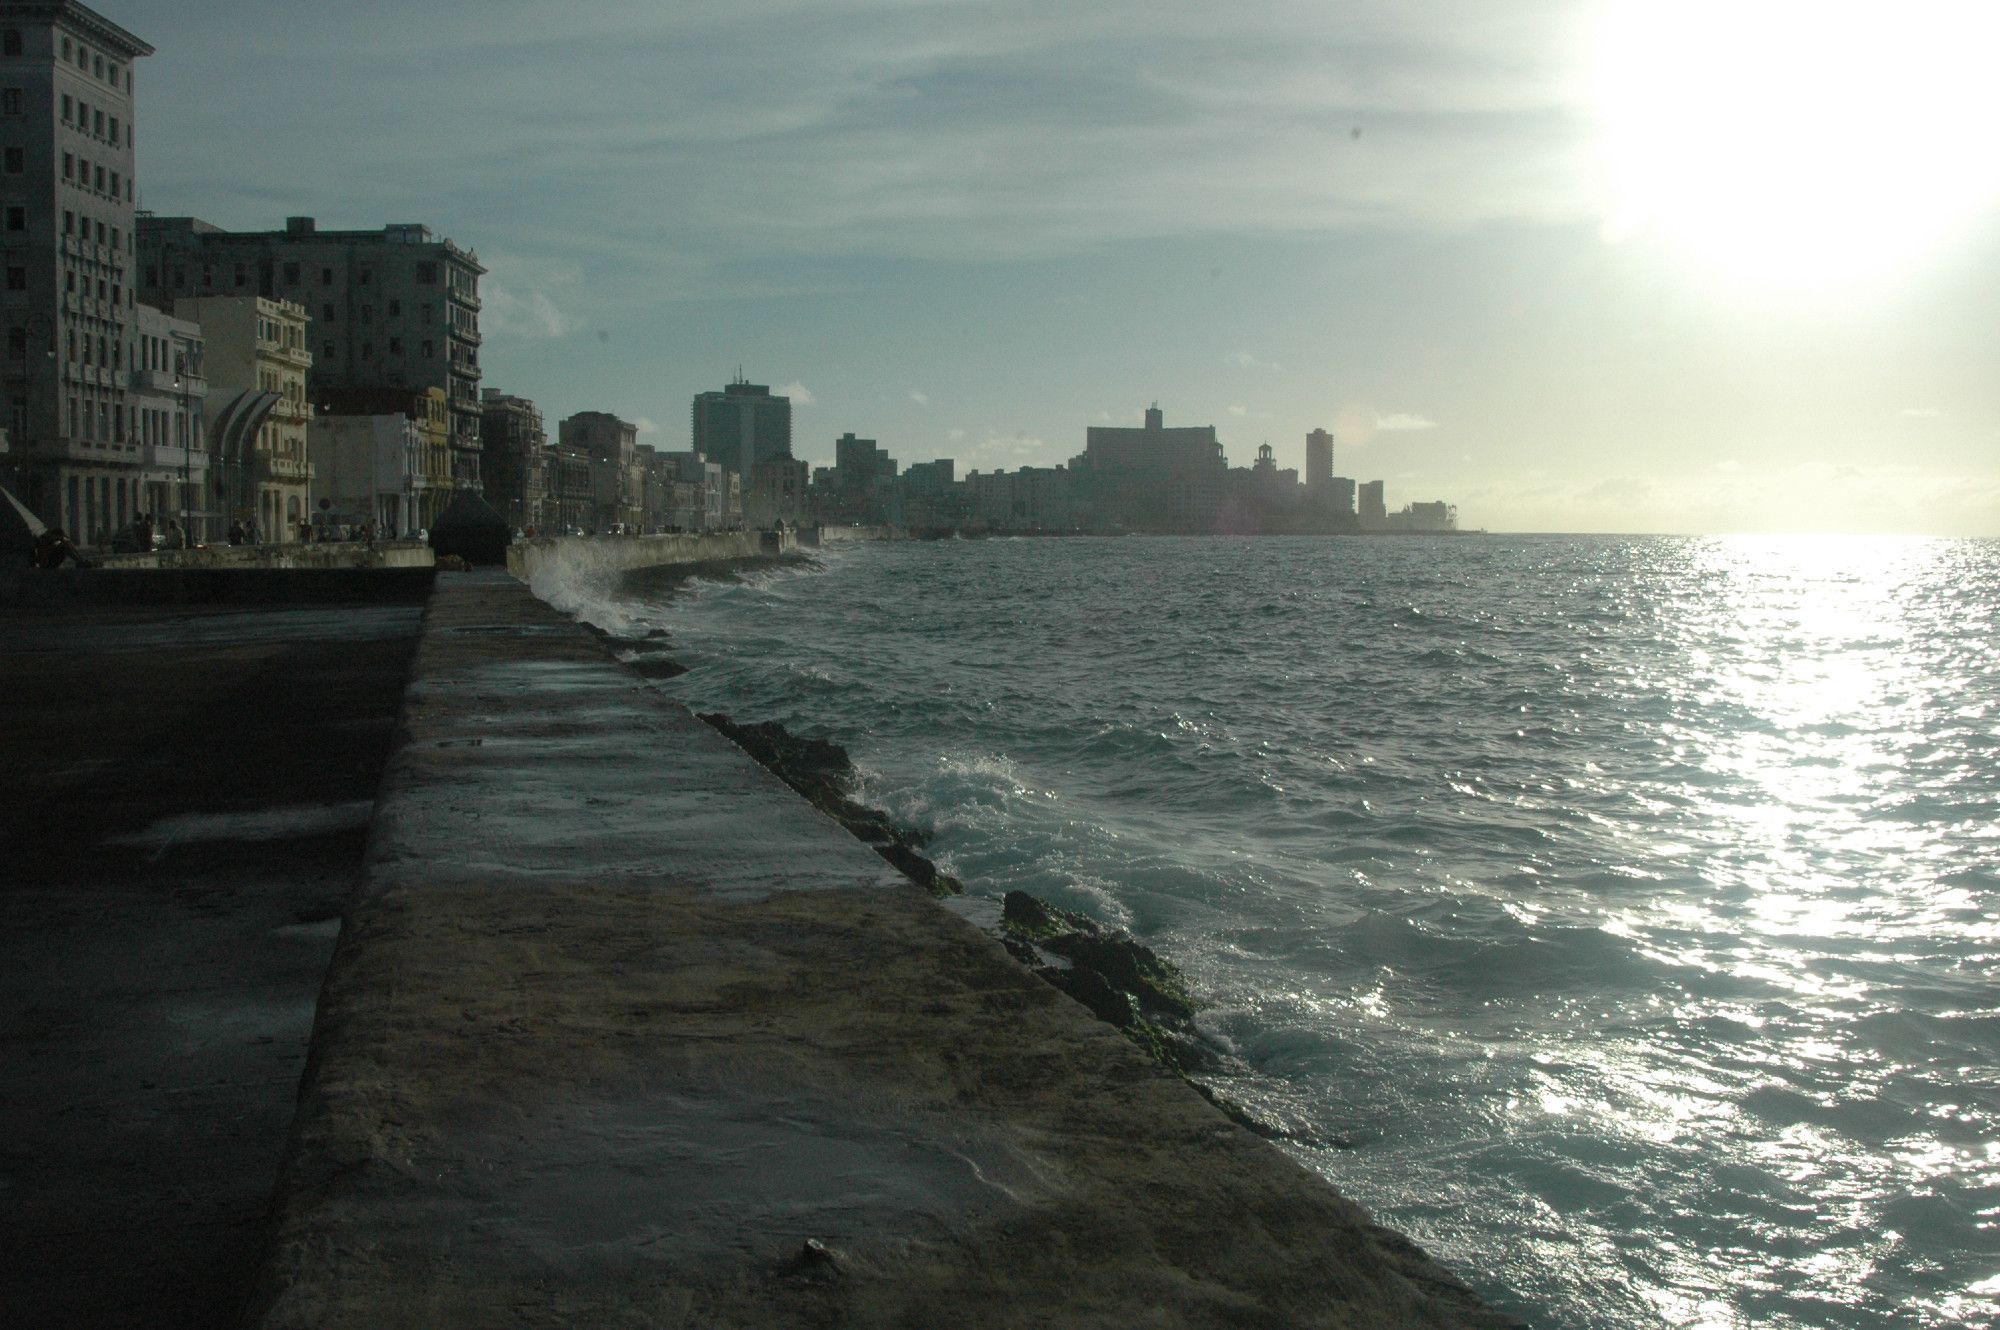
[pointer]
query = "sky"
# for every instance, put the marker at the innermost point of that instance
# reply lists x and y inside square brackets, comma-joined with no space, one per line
[1572,265]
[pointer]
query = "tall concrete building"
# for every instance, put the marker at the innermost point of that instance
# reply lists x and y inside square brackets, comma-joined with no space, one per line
[67,299]
[617,485]
[1374,511]
[742,425]
[516,443]
[395,308]
[1319,465]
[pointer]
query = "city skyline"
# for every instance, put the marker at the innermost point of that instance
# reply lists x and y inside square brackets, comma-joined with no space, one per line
[977,230]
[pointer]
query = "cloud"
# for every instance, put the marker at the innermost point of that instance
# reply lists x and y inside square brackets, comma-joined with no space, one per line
[1404,420]
[645,426]
[1239,410]
[798,392]
[920,399]
[526,316]
[955,435]
[1249,361]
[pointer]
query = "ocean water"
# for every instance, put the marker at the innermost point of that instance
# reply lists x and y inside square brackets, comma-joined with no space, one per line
[1630,906]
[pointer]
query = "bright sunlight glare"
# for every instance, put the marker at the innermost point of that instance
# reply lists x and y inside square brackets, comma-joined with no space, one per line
[1799,144]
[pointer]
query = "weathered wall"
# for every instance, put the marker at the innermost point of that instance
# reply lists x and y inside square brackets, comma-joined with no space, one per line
[580,560]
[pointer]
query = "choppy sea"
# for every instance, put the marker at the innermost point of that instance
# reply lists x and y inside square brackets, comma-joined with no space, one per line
[1631,906]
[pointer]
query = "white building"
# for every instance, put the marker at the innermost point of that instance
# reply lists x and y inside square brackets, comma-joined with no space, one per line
[165,407]
[366,469]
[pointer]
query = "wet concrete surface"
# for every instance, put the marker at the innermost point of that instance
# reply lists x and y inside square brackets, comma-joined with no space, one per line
[622,1032]
[184,805]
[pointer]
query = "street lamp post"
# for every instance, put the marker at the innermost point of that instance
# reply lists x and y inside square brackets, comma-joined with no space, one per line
[187,364]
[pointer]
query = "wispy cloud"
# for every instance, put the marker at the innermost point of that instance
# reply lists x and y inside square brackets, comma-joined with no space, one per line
[799,393]
[921,399]
[1239,410]
[645,426]
[1247,360]
[1404,420]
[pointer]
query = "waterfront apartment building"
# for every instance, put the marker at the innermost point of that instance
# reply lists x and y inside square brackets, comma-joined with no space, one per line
[66,297]
[515,442]
[426,487]
[392,308]
[744,424]
[617,486]
[165,407]
[363,467]
[255,426]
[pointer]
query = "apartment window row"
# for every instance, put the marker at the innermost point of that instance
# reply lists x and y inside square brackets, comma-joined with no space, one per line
[88,119]
[94,64]
[82,173]
[105,234]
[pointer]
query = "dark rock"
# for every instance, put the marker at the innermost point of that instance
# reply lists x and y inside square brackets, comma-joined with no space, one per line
[1089,987]
[470,529]
[823,773]
[657,667]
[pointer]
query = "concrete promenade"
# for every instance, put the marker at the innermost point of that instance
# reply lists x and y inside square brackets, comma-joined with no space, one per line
[621,1032]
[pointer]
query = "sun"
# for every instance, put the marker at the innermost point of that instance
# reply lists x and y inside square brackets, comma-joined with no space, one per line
[1799,143]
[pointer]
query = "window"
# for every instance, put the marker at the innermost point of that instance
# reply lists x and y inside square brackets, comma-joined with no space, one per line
[65,56]
[368,314]
[17,218]
[326,277]
[69,222]
[114,237]
[17,344]
[17,160]
[114,76]
[69,285]
[326,351]
[368,350]
[69,106]
[291,274]
[427,351]
[424,316]
[241,274]
[395,309]
[326,313]
[361,277]
[117,293]
[82,56]
[113,135]
[427,273]
[17,279]
[152,277]
[99,176]
[69,166]
[100,232]
[114,184]
[97,123]
[10,101]
[97,65]
[10,44]
[395,346]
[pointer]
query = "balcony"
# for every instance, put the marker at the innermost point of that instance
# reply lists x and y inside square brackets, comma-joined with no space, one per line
[157,381]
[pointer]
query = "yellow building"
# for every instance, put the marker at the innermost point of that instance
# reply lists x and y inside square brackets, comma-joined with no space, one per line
[257,408]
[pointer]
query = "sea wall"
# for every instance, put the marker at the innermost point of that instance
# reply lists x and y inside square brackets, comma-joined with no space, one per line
[620,1031]
[581,560]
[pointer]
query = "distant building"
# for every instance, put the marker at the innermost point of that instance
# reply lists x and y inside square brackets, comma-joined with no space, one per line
[567,500]
[257,365]
[68,302]
[742,425]
[1340,501]
[1374,512]
[775,492]
[617,486]
[1153,478]
[514,441]
[1438,516]
[1319,464]
[395,307]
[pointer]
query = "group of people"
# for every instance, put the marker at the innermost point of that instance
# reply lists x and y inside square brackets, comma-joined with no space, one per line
[244,533]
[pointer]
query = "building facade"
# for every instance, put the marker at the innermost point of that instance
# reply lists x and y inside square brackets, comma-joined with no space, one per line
[516,443]
[1319,465]
[165,408]
[66,298]
[363,466]
[257,365]
[395,308]
[617,485]
[1374,510]
[742,425]
[1153,478]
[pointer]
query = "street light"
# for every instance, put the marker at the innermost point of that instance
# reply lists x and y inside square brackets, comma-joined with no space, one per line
[187,364]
